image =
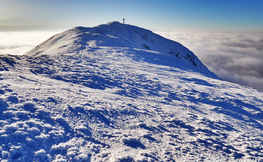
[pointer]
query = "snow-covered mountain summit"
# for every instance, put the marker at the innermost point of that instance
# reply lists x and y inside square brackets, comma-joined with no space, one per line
[110,93]
[115,34]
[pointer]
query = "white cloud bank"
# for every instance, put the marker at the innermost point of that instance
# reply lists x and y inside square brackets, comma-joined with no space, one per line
[18,43]
[233,57]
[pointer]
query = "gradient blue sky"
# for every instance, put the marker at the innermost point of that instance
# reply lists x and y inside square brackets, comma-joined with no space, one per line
[175,15]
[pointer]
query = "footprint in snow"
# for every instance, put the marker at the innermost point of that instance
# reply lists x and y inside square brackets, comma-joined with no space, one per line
[2,91]
[12,99]
[133,143]
[29,107]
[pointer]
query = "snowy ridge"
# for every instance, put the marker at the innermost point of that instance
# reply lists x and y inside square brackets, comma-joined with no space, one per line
[115,34]
[73,98]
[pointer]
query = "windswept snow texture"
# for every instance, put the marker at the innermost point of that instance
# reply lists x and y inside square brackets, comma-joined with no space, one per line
[114,93]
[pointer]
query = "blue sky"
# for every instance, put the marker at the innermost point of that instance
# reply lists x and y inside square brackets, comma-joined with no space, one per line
[174,15]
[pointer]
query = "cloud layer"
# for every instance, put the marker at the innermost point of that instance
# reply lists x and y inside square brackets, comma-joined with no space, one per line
[235,57]
[18,43]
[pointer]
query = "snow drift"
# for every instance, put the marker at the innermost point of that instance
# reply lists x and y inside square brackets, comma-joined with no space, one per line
[118,92]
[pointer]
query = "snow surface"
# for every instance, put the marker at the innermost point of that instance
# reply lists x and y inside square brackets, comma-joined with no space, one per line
[117,92]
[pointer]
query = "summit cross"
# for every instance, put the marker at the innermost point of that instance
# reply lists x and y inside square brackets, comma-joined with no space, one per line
[123,20]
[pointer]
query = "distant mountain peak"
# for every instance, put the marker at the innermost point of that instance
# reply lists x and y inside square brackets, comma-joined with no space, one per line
[115,34]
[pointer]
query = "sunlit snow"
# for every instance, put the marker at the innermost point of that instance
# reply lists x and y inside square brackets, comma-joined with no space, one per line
[118,92]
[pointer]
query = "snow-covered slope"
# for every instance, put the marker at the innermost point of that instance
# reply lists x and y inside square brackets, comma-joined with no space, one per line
[115,34]
[96,94]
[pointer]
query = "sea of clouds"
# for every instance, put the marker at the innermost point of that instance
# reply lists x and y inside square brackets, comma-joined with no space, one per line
[17,43]
[234,57]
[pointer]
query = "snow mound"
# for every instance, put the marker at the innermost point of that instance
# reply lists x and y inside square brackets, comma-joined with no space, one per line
[115,34]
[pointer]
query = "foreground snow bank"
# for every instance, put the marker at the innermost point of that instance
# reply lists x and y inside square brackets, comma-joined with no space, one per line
[109,105]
